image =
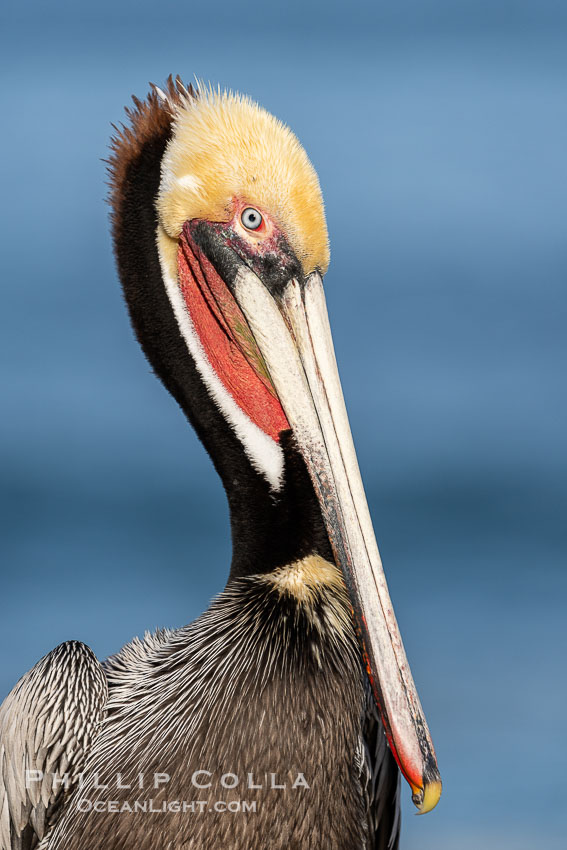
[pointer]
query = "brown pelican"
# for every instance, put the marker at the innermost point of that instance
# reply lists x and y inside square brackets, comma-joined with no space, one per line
[283,716]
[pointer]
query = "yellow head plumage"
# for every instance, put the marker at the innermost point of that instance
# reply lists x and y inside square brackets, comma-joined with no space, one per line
[224,146]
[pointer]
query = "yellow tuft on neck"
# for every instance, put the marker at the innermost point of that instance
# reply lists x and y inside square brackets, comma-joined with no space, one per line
[225,146]
[304,579]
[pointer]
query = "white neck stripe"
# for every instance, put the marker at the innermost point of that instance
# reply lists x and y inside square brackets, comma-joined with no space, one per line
[265,455]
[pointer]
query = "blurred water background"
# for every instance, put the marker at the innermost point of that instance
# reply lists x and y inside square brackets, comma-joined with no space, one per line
[439,131]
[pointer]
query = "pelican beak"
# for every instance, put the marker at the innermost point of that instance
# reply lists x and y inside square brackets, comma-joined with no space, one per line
[281,328]
[291,329]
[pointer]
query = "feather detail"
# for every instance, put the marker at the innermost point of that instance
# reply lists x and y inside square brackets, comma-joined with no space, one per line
[47,724]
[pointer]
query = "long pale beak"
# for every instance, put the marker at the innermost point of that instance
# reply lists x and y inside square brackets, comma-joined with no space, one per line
[293,334]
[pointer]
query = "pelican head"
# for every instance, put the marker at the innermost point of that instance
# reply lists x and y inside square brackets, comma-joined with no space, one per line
[242,248]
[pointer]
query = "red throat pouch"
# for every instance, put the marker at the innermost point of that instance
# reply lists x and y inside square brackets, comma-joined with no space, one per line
[227,339]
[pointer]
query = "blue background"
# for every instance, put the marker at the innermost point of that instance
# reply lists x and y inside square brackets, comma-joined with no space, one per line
[439,131]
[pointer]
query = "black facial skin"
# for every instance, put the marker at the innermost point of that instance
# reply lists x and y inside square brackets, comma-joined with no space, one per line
[274,262]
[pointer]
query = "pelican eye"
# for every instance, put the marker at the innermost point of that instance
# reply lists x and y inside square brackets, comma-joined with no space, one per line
[251,218]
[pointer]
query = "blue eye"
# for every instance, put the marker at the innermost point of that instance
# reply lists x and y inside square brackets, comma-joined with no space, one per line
[251,218]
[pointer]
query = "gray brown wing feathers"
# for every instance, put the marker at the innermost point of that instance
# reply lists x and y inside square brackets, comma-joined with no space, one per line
[47,725]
